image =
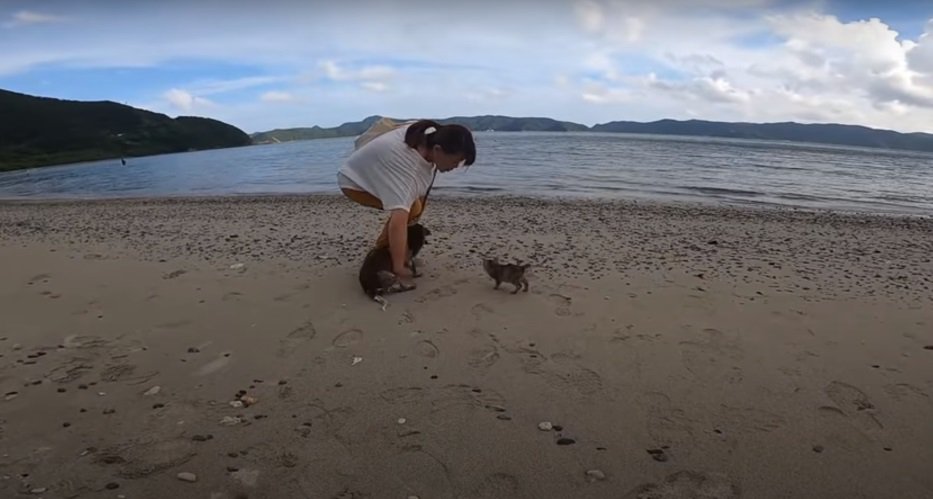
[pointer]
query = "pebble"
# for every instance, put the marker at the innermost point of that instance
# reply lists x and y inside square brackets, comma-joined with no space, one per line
[187,477]
[402,420]
[817,448]
[112,486]
[202,438]
[658,455]
[230,421]
[236,404]
[153,391]
[595,475]
[193,350]
[545,426]
[357,360]
[566,441]
[504,417]
[40,490]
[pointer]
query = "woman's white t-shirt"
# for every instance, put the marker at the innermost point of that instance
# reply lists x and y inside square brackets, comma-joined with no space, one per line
[389,170]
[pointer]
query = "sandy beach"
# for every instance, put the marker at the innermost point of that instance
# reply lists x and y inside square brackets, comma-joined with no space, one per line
[221,348]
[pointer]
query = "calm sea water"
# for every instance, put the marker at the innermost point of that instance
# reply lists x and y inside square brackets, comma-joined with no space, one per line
[591,165]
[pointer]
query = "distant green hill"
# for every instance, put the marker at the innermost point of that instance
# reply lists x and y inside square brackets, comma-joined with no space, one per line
[40,131]
[479,123]
[847,135]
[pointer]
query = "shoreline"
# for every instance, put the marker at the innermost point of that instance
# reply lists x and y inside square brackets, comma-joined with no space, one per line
[696,204]
[672,350]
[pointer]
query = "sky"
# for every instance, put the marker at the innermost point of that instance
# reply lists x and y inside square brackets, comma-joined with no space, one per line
[261,65]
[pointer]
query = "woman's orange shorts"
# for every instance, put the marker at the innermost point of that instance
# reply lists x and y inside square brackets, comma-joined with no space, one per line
[367,199]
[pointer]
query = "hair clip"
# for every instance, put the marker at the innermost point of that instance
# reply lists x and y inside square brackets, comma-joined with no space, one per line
[429,129]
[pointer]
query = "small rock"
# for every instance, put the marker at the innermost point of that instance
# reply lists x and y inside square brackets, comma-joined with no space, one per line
[402,420]
[357,360]
[566,441]
[230,421]
[62,390]
[109,411]
[818,448]
[504,417]
[102,394]
[112,486]
[595,475]
[66,425]
[558,427]
[202,438]
[153,391]
[237,266]
[236,404]
[40,490]
[545,426]
[193,350]
[187,477]
[158,406]
[17,347]
[248,401]
[658,455]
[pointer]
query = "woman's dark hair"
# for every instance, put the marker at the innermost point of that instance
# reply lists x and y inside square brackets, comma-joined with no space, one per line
[453,139]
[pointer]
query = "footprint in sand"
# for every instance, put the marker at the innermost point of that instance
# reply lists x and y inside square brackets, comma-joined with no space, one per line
[904,392]
[563,369]
[174,274]
[483,357]
[743,419]
[455,397]
[561,304]
[668,425]
[713,359]
[437,294]
[294,339]
[685,484]
[854,404]
[347,338]
[146,456]
[481,310]
[213,366]
[497,485]
[427,348]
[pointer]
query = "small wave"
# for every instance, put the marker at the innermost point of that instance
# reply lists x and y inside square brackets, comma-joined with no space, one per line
[714,191]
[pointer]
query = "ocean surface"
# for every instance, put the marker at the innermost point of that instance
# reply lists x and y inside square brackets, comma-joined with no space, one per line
[566,165]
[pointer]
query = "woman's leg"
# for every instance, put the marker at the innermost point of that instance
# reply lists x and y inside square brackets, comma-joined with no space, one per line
[414,214]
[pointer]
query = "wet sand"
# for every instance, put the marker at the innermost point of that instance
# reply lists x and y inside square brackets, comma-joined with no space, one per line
[662,351]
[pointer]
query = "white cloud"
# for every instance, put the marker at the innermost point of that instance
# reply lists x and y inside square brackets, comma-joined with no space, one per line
[185,101]
[374,86]
[27,17]
[277,96]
